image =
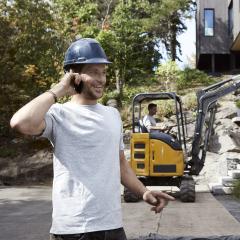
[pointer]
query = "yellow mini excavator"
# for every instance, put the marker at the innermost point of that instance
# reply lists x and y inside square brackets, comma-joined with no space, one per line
[160,159]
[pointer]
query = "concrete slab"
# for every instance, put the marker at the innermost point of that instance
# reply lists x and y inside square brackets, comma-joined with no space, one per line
[26,215]
[205,217]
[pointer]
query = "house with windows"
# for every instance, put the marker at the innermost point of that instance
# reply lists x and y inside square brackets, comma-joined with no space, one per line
[218,35]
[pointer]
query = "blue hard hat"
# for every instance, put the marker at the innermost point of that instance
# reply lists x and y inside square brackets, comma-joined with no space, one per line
[83,51]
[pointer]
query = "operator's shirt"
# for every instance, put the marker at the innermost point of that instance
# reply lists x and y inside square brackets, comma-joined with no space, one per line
[86,187]
[149,121]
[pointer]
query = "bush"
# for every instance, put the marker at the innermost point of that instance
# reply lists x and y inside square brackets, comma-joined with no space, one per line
[8,152]
[190,101]
[168,74]
[172,78]
[237,103]
[130,92]
[166,108]
[126,115]
[236,189]
[110,95]
[192,78]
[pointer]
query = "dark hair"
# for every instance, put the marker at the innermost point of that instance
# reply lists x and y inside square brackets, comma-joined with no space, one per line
[75,67]
[151,105]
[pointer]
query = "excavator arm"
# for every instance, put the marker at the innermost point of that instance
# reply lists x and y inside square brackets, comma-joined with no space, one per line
[207,99]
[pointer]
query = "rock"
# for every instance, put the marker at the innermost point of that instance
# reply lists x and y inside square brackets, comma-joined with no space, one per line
[190,128]
[236,120]
[235,136]
[27,169]
[235,174]
[226,110]
[222,142]
[127,136]
[232,161]
[215,166]
[227,181]
[112,103]
[218,189]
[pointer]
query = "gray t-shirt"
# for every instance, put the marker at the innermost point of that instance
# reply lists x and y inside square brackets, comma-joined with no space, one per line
[86,186]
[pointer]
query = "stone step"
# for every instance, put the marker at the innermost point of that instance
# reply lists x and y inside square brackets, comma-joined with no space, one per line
[227,181]
[235,174]
[219,189]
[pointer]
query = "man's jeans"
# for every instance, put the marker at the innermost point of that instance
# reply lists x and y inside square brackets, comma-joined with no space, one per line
[115,234]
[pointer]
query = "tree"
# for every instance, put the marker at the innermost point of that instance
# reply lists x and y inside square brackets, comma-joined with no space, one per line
[35,35]
[31,49]
[130,48]
[167,22]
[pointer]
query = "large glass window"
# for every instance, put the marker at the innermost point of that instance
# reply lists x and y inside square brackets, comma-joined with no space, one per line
[208,22]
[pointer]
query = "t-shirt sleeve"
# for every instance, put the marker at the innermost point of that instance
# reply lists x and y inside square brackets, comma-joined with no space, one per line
[121,144]
[51,119]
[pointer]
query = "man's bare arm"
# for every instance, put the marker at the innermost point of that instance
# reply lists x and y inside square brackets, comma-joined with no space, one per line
[29,119]
[128,177]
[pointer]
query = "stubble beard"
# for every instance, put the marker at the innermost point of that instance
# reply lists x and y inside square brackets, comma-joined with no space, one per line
[90,95]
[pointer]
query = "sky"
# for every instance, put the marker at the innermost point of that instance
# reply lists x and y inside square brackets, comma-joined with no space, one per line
[188,41]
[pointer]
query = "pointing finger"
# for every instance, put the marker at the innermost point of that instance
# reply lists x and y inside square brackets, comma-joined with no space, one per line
[164,196]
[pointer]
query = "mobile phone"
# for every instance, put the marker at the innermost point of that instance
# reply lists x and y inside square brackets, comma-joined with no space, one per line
[78,87]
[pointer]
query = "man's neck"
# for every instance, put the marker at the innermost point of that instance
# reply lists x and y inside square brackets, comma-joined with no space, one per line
[81,100]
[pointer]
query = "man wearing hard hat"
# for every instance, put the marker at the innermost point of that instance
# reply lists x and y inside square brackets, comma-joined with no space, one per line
[89,162]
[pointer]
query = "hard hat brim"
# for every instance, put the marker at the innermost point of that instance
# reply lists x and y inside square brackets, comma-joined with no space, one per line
[87,61]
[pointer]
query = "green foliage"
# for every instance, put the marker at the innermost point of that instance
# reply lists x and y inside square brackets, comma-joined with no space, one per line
[130,92]
[126,115]
[236,189]
[172,78]
[34,35]
[31,53]
[165,108]
[237,103]
[109,95]
[168,75]
[190,101]
[7,152]
[192,78]
[167,22]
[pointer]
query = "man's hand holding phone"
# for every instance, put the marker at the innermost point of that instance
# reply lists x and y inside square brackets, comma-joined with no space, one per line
[70,84]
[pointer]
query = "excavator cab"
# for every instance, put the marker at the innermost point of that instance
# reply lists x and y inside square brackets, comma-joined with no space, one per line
[157,157]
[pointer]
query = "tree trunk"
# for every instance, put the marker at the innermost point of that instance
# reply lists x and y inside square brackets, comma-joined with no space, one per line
[119,86]
[173,42]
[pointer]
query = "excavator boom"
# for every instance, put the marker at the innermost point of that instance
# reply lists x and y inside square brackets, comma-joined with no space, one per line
[207,99]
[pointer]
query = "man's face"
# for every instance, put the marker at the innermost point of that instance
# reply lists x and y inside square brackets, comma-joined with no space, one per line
[94,80]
